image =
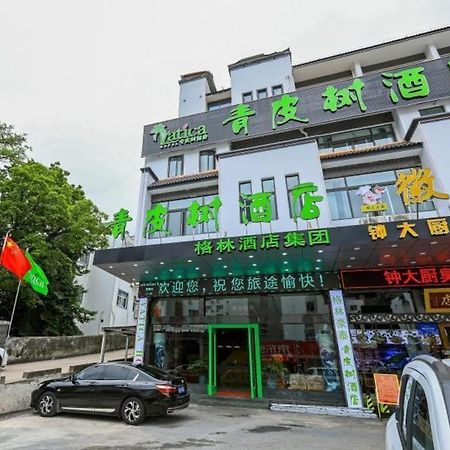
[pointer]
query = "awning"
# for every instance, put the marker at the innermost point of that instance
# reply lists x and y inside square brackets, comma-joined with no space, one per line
[350,247]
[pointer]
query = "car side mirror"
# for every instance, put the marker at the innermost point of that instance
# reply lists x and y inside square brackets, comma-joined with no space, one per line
[73,378]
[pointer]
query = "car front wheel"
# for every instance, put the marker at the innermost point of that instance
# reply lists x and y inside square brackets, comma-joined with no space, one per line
[47,404]
[133,411]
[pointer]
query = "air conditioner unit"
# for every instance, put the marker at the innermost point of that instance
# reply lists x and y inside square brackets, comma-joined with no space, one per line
[374,219]
[398,217]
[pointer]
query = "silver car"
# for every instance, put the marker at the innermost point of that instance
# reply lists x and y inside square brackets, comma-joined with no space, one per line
[422,420]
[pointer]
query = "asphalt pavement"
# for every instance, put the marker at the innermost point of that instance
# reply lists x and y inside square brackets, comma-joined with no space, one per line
[199,426]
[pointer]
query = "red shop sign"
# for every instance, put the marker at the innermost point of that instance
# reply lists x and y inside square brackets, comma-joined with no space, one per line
[397,277]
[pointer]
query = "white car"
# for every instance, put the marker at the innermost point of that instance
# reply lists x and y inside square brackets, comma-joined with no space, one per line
[3,357]
[422,420]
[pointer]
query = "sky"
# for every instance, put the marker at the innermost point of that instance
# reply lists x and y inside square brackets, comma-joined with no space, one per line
[81,78]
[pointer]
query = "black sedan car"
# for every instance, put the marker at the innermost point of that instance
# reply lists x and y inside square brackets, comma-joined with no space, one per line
[132,392]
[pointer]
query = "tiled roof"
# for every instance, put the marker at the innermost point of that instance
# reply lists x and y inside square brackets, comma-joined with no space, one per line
[376,148]
[184,179]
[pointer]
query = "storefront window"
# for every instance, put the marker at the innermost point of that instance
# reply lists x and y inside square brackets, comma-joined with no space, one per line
[382,344]
[297,346]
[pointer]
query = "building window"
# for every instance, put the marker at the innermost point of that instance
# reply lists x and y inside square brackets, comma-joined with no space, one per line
[346,204]
[291,182]
[277,90]
[207,160]
[175,166]
[177,215]
[245,187]
[431,111]
[219,104]
[247,97]
[261,93]
[353,139]
[122,299]
[268,185]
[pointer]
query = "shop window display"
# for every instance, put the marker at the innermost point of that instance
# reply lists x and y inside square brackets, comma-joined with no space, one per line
[387,346]
[299,358]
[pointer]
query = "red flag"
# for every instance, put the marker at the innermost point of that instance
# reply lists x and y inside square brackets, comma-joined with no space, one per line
[14,259]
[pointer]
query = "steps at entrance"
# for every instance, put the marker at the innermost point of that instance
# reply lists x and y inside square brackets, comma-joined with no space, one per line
[229,401]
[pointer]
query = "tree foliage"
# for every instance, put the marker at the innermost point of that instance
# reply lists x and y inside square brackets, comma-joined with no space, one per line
[58,224]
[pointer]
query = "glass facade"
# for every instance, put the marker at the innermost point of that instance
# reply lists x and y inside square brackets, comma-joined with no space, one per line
[383,345]
[298,354]
[345,199]
[366,137]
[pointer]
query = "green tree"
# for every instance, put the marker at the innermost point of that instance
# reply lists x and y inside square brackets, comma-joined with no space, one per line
[58,224]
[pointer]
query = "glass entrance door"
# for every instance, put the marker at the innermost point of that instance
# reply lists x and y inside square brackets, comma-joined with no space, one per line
[234,360]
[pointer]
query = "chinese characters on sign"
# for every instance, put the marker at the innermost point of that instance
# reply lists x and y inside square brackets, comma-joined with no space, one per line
[417,187]
[436,227]
[119,223]
[291,239]
[384,278]
[287,282]
[349,370]
[437,300]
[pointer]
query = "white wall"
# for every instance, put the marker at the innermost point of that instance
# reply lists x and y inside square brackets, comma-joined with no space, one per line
[193,97]
[262,75]
[436,155]
[301,158]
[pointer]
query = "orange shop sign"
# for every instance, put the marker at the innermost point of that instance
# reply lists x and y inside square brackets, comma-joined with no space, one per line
[387,388]
[437,300]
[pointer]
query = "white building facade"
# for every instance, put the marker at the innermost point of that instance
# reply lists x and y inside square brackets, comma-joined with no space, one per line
[292,233]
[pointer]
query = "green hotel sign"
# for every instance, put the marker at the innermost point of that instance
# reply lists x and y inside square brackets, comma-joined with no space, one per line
[342,100]
[180,136]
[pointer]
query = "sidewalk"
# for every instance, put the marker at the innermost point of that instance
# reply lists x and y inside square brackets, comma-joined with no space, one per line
[14,372]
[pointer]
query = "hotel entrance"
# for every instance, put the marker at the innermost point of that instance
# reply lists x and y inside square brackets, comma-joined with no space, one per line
[234,360]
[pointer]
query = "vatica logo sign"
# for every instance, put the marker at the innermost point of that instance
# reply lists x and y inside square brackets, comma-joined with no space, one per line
[181,136]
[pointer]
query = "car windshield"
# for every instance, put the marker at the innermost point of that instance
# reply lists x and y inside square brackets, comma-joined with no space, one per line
[154,372]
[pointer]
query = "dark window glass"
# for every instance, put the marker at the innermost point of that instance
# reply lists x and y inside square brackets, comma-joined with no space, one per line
[219,104]
[291,182]
[91,373]
[268,185]
[430,111]
[154,372]
[247,97]
[277,90]
[261,93]
[118,373]
[422,437]
[207,160]
[175,166]
[244,211]
[345,203]
[407,381]
[122,299]
[353,139]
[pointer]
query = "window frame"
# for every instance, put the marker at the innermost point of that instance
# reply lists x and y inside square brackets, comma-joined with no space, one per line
[174,158]
[289,191]
[241,209]
[206,152]
[332,148]
[430,108]
[259,91]
[250,94]
[119,296]
[274,194]
[277,86]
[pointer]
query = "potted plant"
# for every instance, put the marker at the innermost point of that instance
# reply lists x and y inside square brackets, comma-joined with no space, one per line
[199,367]
[274,371]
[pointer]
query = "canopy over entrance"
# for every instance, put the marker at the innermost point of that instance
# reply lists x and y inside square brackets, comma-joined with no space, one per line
[394,244]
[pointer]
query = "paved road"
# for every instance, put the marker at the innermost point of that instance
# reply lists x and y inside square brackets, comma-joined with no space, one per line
[14,372]
[197,427]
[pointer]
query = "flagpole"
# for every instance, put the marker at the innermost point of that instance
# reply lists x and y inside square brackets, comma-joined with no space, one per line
[14,309]
[14,306]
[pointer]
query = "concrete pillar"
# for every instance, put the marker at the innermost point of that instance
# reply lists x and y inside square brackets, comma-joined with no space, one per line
[126,348]
[103,349]
[431,52]
[357,70]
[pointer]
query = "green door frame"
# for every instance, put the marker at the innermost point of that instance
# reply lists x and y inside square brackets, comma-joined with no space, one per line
[254,356]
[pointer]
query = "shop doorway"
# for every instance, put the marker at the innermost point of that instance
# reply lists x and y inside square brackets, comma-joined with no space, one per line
[234,360]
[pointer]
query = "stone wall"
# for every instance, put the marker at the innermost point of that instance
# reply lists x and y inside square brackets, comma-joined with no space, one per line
[26,349]
[3,332]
